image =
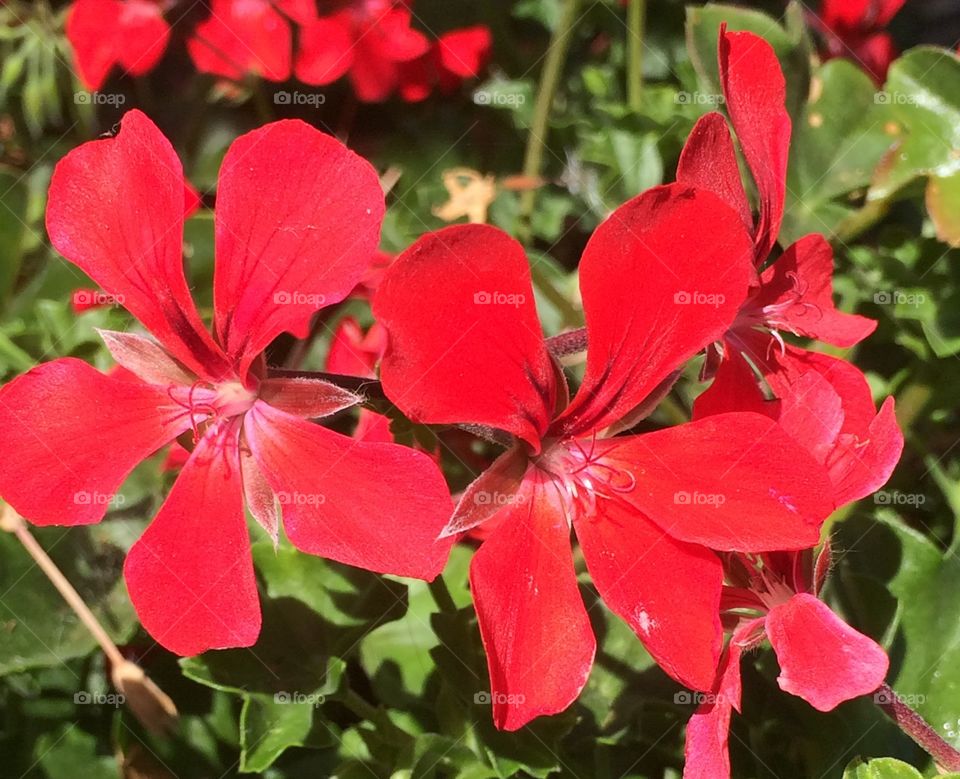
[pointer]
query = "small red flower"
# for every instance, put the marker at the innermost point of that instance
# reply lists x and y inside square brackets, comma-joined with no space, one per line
[795,292]
[355,353]
[822,659]
[370,39]
[466,347]
[457,56]
[286,194]
[855,30]
[243,37]
[130,34]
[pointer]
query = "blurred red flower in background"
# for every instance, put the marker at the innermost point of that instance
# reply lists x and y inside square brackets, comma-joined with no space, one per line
[855,30]
[129,34]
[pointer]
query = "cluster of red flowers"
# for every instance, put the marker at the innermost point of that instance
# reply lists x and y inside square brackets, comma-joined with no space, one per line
[373,41]
[689,533]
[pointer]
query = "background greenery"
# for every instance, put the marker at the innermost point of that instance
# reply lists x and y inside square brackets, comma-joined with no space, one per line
[398,674]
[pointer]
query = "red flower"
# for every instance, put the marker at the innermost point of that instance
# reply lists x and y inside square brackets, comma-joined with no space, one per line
[466,346]
[244,37]
[286,193]
[369,39]
[131,34]
[795,292]
[822,659]
[458,55]
[855,29]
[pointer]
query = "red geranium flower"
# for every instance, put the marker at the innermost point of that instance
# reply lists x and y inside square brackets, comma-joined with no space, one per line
[822,659]
[854,29]
[286,193]
[795,292]
[244,37]
[466,347]
[372,40]
[131,34]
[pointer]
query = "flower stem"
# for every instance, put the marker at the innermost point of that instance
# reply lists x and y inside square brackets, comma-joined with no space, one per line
[915,726]
[148,703]
[539,126]
[636,21]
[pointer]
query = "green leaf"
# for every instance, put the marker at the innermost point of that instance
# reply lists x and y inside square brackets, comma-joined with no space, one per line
[838,142]
[943,203]
[883,768]
[13,214]
[72,752]
[270,726]
[926,586]
[37,627]
[922,100]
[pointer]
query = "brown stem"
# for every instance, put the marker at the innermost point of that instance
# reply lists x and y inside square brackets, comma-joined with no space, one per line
[915,726]
[149,704]
[15,524]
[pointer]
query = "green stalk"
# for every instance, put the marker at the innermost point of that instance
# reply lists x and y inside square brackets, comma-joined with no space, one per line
[636,22]
[539,126]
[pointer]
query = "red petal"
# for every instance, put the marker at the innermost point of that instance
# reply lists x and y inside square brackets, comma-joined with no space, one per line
[142,36]
[862,464]
[301,11]
[755,92]
[862,14]
[73,435]
[663,277]
[93,41]
[190,576]
[732,482]
[708,731]
[375,506]
[353,353]
[800,287]
[326,50]
[395,39]
[735,387]
[465,341]
[241,37]
[869,444]
[822,659]
[286,196]
[115,210]
[373,74]
[418,77]
[103,33]
[192,200]
[535,629]
[709,161]
[666,590]
[465,52]
[373,428]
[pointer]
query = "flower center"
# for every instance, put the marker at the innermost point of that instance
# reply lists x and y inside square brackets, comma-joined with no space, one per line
[208,403]
[582,474]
